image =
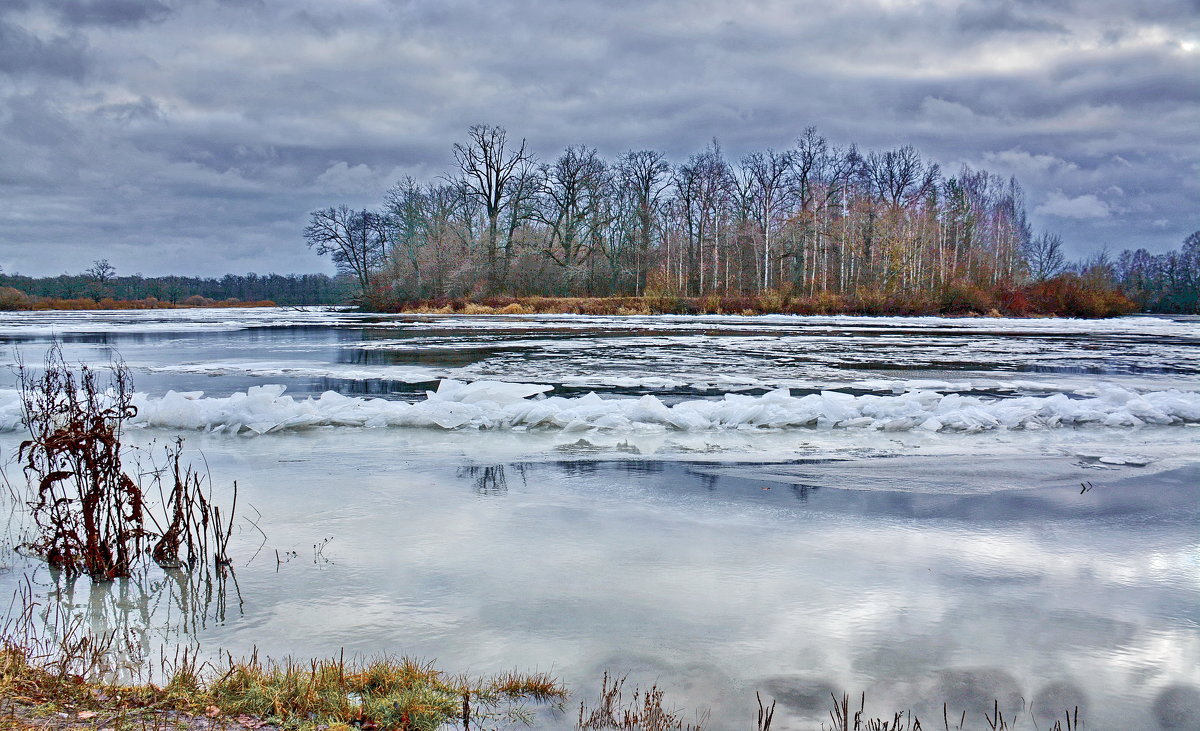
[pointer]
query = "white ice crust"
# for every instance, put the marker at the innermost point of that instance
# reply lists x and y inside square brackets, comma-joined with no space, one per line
[523,406]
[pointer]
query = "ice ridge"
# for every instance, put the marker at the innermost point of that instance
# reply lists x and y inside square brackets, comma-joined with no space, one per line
[501,405]
[522,406]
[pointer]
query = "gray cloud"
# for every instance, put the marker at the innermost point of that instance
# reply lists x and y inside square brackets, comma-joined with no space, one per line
[155,133]
[110,12]
[25,54]
[992,17]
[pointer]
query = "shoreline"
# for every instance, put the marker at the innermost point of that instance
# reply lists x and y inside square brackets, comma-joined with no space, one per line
[105,304]
[770,303]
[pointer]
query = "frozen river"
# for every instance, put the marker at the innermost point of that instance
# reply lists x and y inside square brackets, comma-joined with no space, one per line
[794,505]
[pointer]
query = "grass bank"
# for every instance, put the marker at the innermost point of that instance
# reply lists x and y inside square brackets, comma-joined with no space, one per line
[71,681]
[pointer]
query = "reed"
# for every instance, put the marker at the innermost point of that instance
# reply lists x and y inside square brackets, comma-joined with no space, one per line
[644,711]
[90,513]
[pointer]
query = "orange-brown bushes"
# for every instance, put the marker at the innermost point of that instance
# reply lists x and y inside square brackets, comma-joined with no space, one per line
[1068,295]
[963,298]
[1015,302]
[12,298]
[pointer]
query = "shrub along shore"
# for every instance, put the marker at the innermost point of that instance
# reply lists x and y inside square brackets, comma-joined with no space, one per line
[1066,296]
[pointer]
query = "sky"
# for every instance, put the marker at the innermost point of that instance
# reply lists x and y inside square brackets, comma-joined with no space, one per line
[195,137]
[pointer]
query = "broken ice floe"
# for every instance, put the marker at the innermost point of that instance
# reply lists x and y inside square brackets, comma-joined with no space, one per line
[523,406]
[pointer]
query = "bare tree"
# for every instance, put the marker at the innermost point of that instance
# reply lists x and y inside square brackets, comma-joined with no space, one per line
[701,185]
[643,176]
[100,274]
[1191,244]
[829,220]
[1045,257]
[407,218]
[487,169]
[898,177]
[355,240]
[768,174]
[574,190]
[101,271]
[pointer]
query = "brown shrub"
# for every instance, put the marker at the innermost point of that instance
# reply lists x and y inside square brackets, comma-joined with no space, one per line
[471,308]
[774,300]
[1068,295]
[911,303]
[664,303]
[962,298]
[867,301]
[1014,302]
[13,299]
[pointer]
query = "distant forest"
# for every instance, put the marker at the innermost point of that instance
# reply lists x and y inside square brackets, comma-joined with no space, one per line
[101,282]
[814,222]
[1167,282]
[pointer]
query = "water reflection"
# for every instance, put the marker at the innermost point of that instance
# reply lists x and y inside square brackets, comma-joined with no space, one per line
[1178,707]
[142,616]
[492,480]
[849,488]
[185,602]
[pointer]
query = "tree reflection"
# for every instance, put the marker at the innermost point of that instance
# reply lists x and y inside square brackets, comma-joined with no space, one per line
[154,609]
[491,480]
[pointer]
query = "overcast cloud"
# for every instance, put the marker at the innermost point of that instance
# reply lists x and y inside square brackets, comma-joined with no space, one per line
[194,137]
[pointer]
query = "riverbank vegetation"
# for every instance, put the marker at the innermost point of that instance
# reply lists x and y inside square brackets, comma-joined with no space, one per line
[68,678]
[847,230]
[93,517]
[1168,282]
[1067,296]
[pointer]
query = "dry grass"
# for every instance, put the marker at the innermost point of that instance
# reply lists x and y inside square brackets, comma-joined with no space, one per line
[844,718]
[399,693]
[65,677]
[541,686]
[643,712]
[389,693]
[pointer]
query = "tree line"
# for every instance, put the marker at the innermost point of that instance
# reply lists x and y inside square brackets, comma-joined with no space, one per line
[1167,282]
[101,281]
[813,220]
